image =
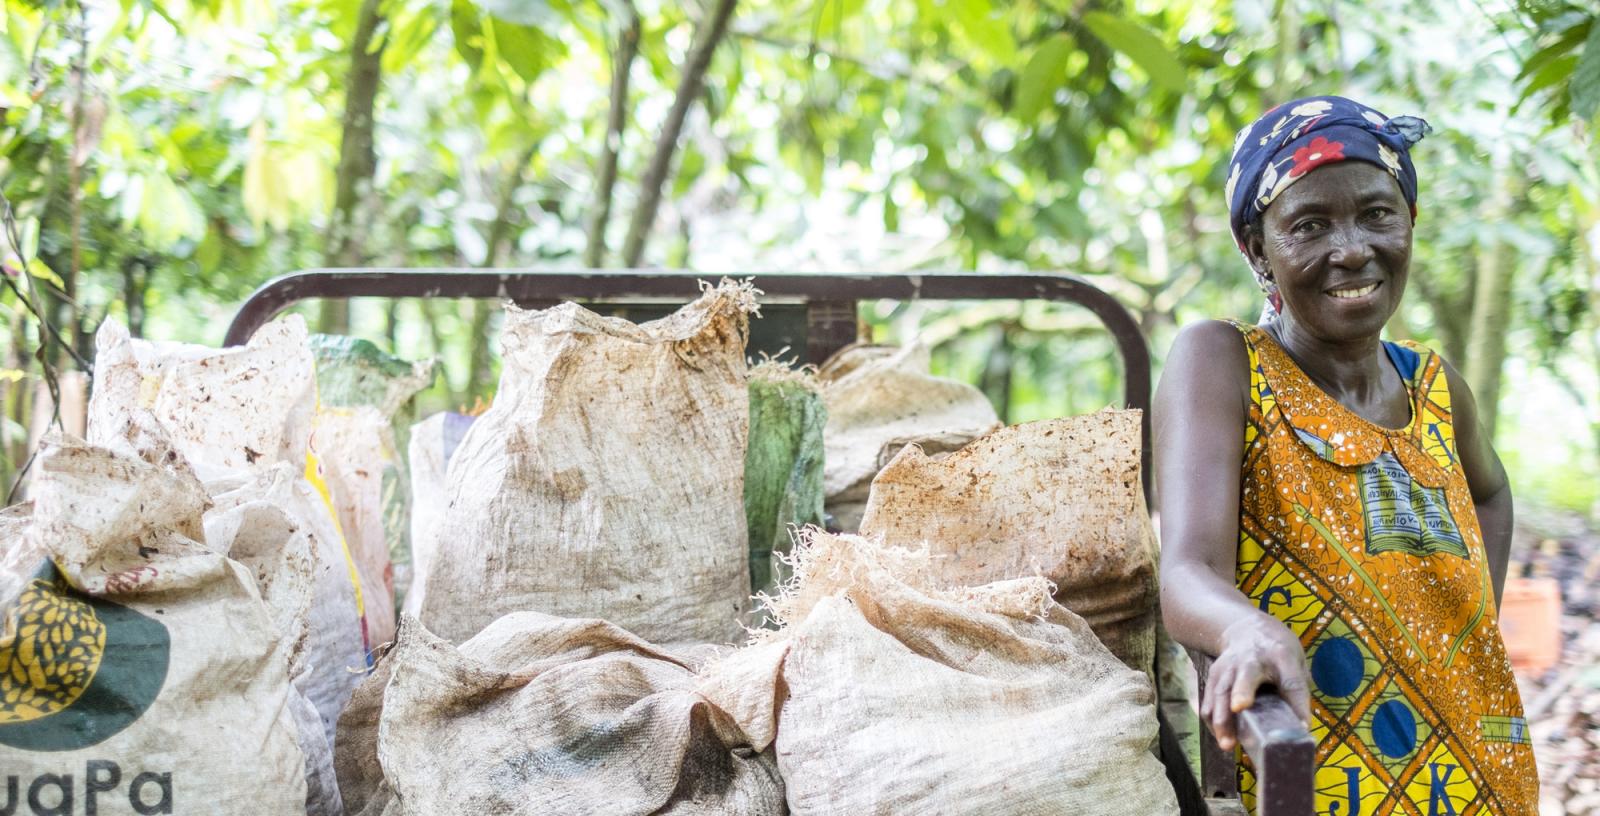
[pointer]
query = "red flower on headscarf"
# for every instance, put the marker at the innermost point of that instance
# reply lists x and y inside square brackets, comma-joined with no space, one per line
[1319,152]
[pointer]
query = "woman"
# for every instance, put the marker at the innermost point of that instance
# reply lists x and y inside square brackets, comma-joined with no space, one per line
[1334,522]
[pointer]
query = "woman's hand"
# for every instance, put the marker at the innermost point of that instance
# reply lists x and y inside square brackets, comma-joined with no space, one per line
[1257,650]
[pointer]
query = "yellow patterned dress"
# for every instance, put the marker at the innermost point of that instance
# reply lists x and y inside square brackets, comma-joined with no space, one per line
[1364,541]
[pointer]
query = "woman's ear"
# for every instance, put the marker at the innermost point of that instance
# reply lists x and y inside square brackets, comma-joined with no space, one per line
[1255,250]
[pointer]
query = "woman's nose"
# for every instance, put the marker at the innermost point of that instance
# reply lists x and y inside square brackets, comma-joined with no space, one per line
[1351,249]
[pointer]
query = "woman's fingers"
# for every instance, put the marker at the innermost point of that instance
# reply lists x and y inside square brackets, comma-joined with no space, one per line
[1219,690]
[1295,686]
[1245,682]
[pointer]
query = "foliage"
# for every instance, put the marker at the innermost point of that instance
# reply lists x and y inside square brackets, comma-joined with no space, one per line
[200,154]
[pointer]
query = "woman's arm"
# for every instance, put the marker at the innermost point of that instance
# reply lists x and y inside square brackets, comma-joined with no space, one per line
[1199,416]
[1486,478]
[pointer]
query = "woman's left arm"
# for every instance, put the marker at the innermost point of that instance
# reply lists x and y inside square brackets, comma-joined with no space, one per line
[1486,478]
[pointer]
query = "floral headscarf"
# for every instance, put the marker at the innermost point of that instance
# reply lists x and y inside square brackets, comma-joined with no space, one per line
[1295,138]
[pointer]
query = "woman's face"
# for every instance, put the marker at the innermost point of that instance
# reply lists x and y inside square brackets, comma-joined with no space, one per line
[1338,245]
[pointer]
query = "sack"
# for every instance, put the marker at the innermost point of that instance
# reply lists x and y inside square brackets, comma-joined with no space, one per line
[275,523]
[541,715]
[361,391]
[782,467]
[362,471]
[607,478]
[433,441]
[1059,498]
[232,413]
[139,669]
[352,371]
[877,399]
[884,694]
[224,409]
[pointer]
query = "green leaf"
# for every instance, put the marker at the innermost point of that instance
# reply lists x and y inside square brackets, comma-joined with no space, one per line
[1553,73]
[527,50]
[1043,75]
[42,271]
[1566,42]
[1144,48]
[1585,87]
[468,31]
[30,239]
[520,12]
[985,29]
[832,14]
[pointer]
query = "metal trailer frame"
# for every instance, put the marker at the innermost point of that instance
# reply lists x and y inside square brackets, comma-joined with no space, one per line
[1278,744]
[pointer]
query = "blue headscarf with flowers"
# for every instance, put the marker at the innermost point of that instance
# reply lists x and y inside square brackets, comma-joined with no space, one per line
[1296,137]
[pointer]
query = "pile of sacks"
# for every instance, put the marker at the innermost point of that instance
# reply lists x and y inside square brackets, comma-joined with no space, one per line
[577,567]
[218,552]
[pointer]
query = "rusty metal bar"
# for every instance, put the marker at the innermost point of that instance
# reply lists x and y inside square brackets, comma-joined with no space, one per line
[1280,748]
[830,299]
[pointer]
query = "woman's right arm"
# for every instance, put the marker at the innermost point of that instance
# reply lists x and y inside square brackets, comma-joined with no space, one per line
[1199,416]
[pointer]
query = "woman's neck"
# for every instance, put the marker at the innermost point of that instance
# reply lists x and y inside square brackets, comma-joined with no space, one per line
[1348,368]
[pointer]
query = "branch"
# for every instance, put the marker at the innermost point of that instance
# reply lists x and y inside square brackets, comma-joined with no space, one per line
[357,160]
[694,71]
[600,209]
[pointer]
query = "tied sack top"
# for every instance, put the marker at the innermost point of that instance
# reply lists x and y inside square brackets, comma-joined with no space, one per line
[1365,542]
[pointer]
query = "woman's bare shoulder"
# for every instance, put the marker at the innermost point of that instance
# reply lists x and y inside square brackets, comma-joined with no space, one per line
[1206,377]
[1208,350]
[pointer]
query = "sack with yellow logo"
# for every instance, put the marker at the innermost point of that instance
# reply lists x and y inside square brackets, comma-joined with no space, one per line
[140,671]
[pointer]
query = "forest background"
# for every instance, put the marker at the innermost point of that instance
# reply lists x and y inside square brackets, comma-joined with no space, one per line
[163,158]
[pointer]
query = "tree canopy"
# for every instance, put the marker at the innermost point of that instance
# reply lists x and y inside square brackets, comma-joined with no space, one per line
[165,157]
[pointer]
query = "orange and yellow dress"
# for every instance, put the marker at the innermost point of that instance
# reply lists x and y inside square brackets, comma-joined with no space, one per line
[1364,541]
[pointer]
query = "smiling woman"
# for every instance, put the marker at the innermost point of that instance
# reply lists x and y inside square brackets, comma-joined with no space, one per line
[1335,523]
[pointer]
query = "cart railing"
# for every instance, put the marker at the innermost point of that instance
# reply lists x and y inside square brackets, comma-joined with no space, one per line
[1277,743]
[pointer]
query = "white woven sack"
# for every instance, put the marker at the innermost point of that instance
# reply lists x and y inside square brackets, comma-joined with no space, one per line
[542,715]
[225,409]
[355,446]
[1059,498]
[153,679]
[888,399]
[304,577]
[885,695]
[433,441]
[607,480]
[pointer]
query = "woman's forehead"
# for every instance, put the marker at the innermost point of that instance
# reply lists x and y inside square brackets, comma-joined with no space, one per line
[1336,183]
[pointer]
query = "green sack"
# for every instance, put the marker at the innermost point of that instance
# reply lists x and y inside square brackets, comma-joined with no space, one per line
[782,466]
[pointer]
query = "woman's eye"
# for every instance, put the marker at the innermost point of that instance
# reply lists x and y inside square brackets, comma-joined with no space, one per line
[1379,212]
[1305,227]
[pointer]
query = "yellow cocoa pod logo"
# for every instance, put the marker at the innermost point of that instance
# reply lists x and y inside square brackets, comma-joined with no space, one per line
[50,650]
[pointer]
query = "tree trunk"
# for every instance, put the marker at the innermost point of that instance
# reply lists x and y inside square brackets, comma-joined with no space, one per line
[606,177]
[1491,309]
[135,283]
[995,382]
[357,161]
[707,36]
[499,240]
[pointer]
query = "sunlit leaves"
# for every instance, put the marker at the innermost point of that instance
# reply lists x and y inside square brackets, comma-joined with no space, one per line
[1586,77]
[1145,49]
[1044,75]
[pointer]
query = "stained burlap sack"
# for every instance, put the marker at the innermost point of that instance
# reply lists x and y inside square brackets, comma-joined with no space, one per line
[782,466]
[274,522]
[607,478]
[225,409]
[541,715]
[878,398]
[1059,498]
[242,417]
[884,694]
[433,441]
[140,671]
